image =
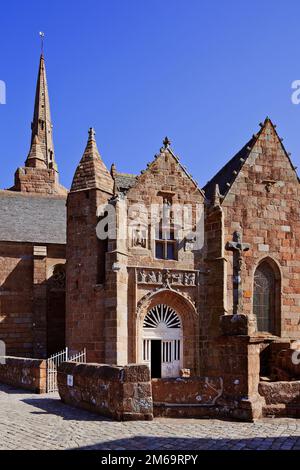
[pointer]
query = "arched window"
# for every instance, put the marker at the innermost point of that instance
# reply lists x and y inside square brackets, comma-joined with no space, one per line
[162,315]
[266,297]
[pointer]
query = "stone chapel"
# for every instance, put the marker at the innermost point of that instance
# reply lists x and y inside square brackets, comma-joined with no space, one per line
[154,295]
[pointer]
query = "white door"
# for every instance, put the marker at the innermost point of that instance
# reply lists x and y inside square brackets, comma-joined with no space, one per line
[162,323]
[170,353]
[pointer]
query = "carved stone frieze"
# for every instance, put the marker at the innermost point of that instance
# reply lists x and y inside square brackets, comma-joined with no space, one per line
[166,277]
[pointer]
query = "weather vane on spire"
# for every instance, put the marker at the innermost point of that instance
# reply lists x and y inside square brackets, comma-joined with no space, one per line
[42,35]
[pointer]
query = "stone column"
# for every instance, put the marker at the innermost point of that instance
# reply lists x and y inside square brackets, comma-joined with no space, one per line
[116,299]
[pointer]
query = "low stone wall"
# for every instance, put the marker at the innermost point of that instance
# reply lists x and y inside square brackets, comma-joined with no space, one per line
[190,390]
[282,398]
[122,393]
[280,392]
[202,397]
[30,374]
[187,397]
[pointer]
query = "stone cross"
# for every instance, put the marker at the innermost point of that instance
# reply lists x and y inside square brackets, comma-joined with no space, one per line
[237,247]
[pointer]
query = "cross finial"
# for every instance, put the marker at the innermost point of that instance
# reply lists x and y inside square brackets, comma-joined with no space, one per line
[166,142]
[92,133]
[42,35]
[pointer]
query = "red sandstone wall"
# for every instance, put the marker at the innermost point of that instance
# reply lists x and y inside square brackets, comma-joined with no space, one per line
[120,393]
[25,303]
[201,391]
[29,374]
[85,298]
[38,180]
[16,293]
[269,217]
[165,177]
[282,398]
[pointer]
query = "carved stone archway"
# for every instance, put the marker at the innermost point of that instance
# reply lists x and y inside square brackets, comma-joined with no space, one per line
[189,332]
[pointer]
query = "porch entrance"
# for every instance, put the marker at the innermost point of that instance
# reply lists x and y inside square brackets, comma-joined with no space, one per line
[162,341]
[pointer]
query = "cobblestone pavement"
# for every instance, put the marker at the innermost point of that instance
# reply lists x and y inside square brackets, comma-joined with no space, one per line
[30,421]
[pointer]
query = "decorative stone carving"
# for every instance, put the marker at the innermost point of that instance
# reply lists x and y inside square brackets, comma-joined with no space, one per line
[189,244]
[152,277]
[139,238]
[167,277]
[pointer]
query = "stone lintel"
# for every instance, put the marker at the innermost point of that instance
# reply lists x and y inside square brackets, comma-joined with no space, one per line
[40,251]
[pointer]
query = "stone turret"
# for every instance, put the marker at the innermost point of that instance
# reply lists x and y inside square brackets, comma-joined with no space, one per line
[91,172]
[87,282]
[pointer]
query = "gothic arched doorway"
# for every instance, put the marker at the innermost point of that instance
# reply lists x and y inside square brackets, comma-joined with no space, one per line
[162,341]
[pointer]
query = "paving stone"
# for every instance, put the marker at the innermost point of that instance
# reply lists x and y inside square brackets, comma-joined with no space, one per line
[30,421]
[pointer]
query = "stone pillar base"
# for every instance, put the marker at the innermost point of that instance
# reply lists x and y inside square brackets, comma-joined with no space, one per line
[248,409]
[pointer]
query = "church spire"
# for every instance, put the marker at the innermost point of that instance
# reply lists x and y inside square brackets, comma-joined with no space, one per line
[41,125]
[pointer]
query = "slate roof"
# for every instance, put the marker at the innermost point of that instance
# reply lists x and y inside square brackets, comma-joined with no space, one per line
[226,176]
[32,218]
[124,181]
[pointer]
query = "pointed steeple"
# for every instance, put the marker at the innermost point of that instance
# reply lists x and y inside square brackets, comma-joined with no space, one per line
[41,125]
[91,172]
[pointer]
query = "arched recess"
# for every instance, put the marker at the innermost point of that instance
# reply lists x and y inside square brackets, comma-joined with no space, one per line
[56,308]
[179,312]
[267,296]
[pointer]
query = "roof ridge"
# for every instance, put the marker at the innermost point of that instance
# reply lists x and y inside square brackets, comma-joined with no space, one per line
[186,171]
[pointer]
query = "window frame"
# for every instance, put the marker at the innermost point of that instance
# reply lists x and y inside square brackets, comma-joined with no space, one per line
[274,301]
[166,242]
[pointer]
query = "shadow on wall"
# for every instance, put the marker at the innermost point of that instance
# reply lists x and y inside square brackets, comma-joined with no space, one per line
[16,306]
[20,299]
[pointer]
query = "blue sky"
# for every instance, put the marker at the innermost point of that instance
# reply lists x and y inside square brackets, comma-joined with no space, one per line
[204,73]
